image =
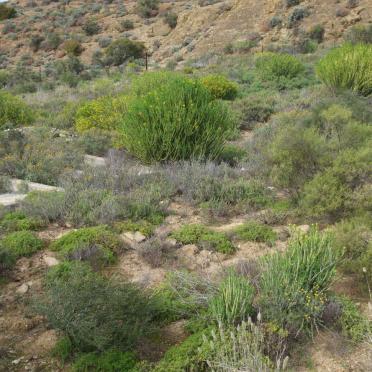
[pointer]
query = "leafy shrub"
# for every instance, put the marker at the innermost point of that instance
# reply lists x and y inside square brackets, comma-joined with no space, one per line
[143,226]
[256,232]
[330,194]
[170,18]
[184,357]
[201,235]
[347,67]
[359,34]
[297,15]
[21,243]
[95,244]
[122,50]
[220,87]
[293,285]
[275,66]
[73,47]
[364,266]
[127,25]
[14,111]
[233,302]
[7,260]
[175,119]
[7,12]
[91,27]
[353,324]
[232,155]
[291,3]
[18,221]
[95,313]
[109,361]
[63,349]
[101,113]
[317,33]
[147,8]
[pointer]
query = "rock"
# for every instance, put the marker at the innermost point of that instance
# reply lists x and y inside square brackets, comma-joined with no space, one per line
[23,288]
[171,242]
[304,228]
[50,261]
[135,236]
[189,250]
[17,361]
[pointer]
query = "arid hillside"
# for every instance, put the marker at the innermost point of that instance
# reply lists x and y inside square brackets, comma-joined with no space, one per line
[178,30]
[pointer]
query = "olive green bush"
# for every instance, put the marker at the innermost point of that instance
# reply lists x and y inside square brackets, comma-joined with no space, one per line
[13,111]
[220,87]
[347,67]
[18,221]
[122,50]
[256,232]
[21,243]
[7,12]
[97,314]
[175,118]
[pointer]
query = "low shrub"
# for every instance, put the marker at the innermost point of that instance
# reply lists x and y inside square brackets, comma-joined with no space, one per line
[220,87]
[157,252]
[174,118]
[364,269]
[73,47]
[233,302]
[359,34]
[293,285]
[317,33]
[98,245]
[232,155]
[147,8]
[171,18]
[101,113]
[109,361]
[91,27]
[184,357]
[201,235]
[13,111]
[21,243]
[256,232]
[18,221]
[123,50]
[347,67]
[144,227]
[63,349]
[274,66]
[7,12]
[7,260]
[95,313]
[353,324]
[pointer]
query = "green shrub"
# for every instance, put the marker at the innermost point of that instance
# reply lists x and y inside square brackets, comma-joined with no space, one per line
[109,361]
[174,118]
[18,221]
[7,12]
[293,285]
[170,18]
[91,27]
[359,34]
[7,260]
[95,313]
[353,324]
[101,113]
[364,268]
[97,245]
[14,111]
[122,50]
[233,302]
[145,227]
[73,47]
[63,349]
[201,235]
[275,66]
[330,193]
[347,67]
[147,8]
[256,232]
[317,33]
[232,155]
[220,87]
[21,243]
[184,357]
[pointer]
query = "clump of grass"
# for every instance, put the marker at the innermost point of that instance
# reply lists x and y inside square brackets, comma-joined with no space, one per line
[18,221]
[256,232]
[201,235]
[347,67]
[21,243]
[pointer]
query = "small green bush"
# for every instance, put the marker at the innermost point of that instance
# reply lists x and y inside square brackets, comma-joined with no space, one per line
[317,33]
[171,117]
[109,361]
[353,324]
[359,34]
[18,221]
[73,47]
[122,50]
[220,87]
[232,155]
[233,303]
[201,235]
[91,27]
[256,232]
[63,349]
[293,285]
[275,66]
[97,244]
[7,260]
[95,313]
[145,227]
[7,12]
[347,67]
[170,18]
[101,113]
[14,111]
[21,243]
[147,8]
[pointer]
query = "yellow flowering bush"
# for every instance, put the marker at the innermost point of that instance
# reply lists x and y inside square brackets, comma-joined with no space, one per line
[14,111]
[220,87]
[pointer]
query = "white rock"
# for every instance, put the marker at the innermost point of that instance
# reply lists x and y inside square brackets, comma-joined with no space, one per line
[50,261]
[134,236]
[304,228]
[23,288]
